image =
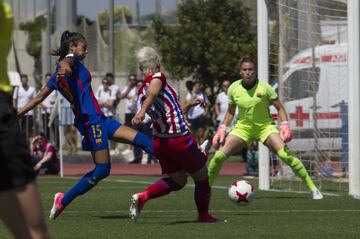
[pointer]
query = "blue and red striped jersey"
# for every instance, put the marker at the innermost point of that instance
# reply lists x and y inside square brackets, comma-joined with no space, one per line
[76,88]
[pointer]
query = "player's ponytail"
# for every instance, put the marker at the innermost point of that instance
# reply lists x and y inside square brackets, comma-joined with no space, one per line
[67,37]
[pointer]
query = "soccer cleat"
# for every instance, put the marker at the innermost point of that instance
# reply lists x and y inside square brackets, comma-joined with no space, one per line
[316,194]
[207,218]
[57,207]
[136,204]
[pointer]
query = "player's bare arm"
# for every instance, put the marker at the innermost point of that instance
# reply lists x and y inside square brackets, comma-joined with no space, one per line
[154,89]
[229,116]
[190,103]
[280,108]
[64,69]
[44,92]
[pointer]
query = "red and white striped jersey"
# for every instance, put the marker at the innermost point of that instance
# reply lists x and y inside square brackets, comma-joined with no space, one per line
[165,112]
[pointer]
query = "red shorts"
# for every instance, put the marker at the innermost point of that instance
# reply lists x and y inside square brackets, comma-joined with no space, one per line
[179,153]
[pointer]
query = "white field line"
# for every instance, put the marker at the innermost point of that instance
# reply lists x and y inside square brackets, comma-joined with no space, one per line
[223,211]
[214,187]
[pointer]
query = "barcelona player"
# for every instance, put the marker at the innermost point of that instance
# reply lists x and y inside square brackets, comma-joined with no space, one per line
[73,80]
[253,98]
[20,206]
[174,145]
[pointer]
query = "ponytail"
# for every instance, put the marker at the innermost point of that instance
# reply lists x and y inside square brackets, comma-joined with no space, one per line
[67,37]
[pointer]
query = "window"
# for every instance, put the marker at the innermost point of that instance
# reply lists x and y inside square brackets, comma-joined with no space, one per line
[302,84]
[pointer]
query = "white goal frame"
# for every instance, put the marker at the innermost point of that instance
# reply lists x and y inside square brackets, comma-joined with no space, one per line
[353,9]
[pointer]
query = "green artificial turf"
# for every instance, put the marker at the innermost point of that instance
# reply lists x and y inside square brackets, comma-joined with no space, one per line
[103,213]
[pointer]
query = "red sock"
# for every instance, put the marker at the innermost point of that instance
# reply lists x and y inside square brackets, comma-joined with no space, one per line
[161,187]
[202,196]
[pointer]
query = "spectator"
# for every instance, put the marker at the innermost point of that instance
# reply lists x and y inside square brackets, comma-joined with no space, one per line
[22,96]
[106,98]
[71,138]
[115,99]
[114,88]
[47,108]
[144,128]
[44,157]
[221,103]
[325,167]
[129,94]
[197,115]
[252,160]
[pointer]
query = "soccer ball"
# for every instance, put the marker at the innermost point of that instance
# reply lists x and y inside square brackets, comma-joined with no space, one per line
[241,192]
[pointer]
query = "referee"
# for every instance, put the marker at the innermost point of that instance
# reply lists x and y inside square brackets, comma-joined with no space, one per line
[20,207]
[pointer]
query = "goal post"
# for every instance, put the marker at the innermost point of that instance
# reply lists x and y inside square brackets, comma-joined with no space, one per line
[263,74]
[354,97]
[309,52]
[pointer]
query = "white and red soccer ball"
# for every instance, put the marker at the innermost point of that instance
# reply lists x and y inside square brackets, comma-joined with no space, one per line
[241,192]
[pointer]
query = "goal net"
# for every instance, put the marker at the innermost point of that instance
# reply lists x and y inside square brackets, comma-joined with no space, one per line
[308,68]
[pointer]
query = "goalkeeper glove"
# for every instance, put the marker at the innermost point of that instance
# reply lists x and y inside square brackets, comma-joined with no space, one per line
[219,137]
[285,132]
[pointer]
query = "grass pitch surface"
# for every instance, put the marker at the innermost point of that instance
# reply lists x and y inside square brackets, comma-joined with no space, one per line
[103,213]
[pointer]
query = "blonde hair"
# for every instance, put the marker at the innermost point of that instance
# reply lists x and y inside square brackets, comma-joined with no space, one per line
[148,59]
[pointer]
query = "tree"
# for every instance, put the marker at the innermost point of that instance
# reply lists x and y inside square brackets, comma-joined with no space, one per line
[104,16]
[211,37]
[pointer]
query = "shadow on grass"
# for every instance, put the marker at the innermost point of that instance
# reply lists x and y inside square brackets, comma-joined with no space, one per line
[282,197]
[115,217]
[181,222]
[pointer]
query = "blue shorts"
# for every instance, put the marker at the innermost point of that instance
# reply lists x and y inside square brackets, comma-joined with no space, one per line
[95,131]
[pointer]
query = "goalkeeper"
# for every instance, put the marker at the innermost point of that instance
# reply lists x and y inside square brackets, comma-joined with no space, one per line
[253,98]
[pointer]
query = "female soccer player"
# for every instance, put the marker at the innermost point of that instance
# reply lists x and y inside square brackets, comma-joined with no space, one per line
[253,98]
[20,205]
[174,146]
[73,80]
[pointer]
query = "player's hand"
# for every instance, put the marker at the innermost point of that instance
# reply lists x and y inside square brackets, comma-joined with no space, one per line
[138,118]
[61,73]
[38,166]
[194,102]
[285,132]
[219,137]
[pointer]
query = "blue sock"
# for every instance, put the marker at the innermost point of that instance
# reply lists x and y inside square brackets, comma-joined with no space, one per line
[143,142]
[87,182]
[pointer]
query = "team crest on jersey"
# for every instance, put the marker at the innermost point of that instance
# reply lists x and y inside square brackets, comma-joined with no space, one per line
[260,94]
[98,141]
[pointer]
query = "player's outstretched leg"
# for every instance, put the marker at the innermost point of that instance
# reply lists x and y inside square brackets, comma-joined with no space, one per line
[159,188]
[298,168]
[215,165]
[57,206]
[87,182]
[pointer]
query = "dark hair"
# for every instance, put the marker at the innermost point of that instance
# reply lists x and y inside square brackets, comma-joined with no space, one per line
[133,75]
[47,74]
[109,74]
[23,76]
[67,38]
[247,58]
[189,85]
[42,134]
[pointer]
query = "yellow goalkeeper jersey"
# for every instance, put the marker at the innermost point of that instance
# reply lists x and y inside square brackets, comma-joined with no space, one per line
[253,104]
[6,21]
